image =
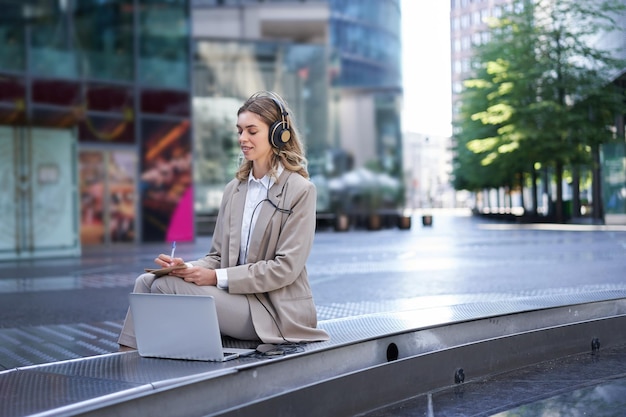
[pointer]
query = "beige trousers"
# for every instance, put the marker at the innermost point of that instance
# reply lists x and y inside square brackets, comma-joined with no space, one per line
[233,310]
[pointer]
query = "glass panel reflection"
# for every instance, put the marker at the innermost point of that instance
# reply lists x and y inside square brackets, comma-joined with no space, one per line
[366,36]
[614,179]
[105,31]
[109,98]
[225,74]
[166,183]
[12,116]
[12,100]
[164,45]
[52,51]
[56,92]
[165,102]
[12,88]
[121,204]
[53,117]
[12,37]
[94,128]
[107,192]
[92,175]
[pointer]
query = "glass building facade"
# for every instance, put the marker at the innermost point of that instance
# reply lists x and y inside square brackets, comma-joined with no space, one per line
[225,74]
[365,36]
[114,76]
[365,41]
[613,154]
[340,70]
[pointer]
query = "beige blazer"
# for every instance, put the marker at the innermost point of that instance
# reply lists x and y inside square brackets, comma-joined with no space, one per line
[275,278]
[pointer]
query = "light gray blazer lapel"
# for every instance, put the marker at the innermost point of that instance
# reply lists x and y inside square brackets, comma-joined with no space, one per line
[235,222]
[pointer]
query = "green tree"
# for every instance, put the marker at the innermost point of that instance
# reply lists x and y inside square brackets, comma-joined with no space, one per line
[549,97]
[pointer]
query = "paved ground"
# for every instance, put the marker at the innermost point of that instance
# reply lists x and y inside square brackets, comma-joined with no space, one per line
[54,309]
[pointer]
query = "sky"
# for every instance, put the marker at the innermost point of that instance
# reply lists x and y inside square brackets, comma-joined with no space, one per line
[426,66]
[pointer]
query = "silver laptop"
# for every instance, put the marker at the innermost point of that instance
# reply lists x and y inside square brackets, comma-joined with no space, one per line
[179,327]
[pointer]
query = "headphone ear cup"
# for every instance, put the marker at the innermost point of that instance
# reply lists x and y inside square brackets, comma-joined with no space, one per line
[279,136]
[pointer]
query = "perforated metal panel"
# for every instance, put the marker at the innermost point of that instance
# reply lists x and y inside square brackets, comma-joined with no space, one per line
[356,344]
[28,392]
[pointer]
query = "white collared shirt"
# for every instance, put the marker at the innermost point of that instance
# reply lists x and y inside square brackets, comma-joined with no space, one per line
[258,192]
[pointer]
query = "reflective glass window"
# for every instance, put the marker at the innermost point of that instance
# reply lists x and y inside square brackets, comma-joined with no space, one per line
[164,43]
[389,132]
[56,92]
[614,183]
[109,98]
[104,33]
[52,40]
[165,102]
[225,74]
[12,89]
[92,170]
[12,45]
[121,189]
[97,128]
[53,117]
[367,37]
[12,116]
[12,99]
[166,181]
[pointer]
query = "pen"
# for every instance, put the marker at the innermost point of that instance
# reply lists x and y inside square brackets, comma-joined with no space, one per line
[173,250]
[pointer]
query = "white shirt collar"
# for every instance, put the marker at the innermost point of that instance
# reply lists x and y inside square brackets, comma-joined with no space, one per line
[266,180]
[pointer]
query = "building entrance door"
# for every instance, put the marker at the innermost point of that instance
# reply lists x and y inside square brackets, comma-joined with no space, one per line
[38,194]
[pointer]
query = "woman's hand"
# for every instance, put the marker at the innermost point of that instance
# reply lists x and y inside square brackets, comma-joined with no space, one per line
[194,274]
[197,275]
[165,261]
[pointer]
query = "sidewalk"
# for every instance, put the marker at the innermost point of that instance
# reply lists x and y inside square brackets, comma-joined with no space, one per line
[54,309]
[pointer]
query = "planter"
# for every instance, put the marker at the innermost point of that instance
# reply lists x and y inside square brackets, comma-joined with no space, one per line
[404,222]
[374,222]
[427,220]
[342,223]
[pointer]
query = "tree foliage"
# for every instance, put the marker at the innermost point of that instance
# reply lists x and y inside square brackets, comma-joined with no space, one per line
[540,93]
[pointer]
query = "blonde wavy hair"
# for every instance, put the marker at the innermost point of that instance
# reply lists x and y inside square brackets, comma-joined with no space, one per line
[291,155]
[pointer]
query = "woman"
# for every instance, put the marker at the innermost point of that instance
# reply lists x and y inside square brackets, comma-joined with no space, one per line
[265,227]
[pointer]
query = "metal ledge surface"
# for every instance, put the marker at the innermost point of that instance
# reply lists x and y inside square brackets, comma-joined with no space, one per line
[485,337]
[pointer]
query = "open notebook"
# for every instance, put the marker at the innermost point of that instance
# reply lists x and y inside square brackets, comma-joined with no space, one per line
[179,327]
[165,271]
